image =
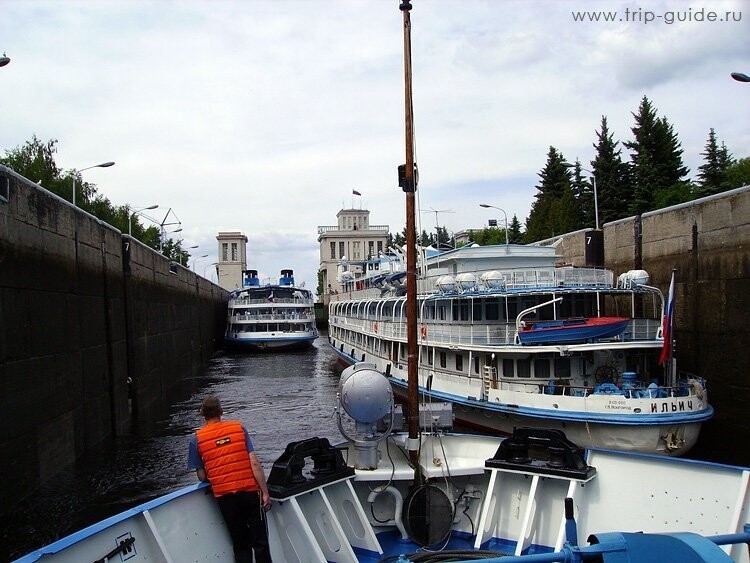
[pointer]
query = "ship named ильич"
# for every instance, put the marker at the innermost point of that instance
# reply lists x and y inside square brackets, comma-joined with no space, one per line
[513,340]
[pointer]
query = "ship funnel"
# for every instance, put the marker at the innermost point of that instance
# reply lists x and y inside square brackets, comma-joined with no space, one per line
[287,278]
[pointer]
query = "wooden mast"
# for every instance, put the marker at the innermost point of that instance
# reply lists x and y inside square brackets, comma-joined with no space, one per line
[408,181]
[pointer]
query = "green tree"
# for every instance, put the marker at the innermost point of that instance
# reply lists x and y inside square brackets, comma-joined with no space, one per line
[612,177]
[515,236]
[584,196]
[656,159]
[424,239]
[712,173]
[35,160]
[738,173]
[555,210]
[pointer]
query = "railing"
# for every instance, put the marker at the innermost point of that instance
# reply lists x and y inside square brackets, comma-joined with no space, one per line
[274,317]
[535,278]
[335,228]
[555,387]
[240,301]
[476,334]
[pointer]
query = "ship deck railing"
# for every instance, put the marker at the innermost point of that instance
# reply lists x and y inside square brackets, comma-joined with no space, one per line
[275,317]
[241,301]
[514,280]
[559,387]
[466,333]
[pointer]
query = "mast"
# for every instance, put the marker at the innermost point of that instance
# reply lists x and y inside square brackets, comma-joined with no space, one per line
[408,182]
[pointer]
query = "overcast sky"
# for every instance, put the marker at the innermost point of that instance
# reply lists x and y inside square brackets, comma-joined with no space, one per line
[263,116]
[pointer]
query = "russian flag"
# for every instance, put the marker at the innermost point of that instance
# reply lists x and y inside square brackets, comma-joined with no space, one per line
[355,192]
[666,327]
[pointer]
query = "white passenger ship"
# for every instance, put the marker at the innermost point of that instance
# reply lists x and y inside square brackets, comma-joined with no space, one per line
[270,317]
[477,306]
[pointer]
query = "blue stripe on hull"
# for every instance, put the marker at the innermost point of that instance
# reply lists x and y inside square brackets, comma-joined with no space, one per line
[269,343]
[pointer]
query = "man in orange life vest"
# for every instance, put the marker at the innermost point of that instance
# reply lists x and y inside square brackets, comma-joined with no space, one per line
[221,452]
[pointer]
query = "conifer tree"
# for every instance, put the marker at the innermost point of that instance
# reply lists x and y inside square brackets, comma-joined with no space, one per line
[584,196]
[712,173]
[515,236]
[656,159]
[555,210]
[612,177]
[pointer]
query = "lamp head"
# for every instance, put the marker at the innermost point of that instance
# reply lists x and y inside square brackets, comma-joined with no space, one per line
[4,60]
[738,76]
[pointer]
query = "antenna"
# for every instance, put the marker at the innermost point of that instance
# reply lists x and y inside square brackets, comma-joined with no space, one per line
[437,225]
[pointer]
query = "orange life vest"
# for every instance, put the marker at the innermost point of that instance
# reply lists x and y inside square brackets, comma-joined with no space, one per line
[223,449]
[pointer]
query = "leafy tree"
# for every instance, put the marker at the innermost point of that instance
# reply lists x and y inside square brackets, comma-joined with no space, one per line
[738,174]
[35,160]
[488,236]
[657,166]
[612,177]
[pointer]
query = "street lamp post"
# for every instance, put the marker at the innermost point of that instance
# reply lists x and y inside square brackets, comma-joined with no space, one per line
[103,165]
[137,212]
[164,234]
[198,258]
[505,215]
[188,248]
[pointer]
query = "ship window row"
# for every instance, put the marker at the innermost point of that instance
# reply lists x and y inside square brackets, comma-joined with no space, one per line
[472,310]
[270,327]
[522,368]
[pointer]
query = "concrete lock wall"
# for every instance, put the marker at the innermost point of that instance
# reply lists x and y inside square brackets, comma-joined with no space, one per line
[95,332]
[707,242]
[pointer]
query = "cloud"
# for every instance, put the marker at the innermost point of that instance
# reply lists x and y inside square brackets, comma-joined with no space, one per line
[262,115]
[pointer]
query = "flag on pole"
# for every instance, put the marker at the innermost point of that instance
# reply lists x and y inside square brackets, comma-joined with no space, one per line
[666,327]
[355,192]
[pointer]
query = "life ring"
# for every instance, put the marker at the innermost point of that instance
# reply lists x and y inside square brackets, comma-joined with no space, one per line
[376,327]
[424,332]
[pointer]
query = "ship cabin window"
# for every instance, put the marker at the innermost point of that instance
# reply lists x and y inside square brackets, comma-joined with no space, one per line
[460,310]
[509,368]
[476,364]
[443,359]
[523,368]
[387,310]
[371,248]
[430,357]
[459,362]
[562,368]
[380,246]
[333,251]
[541,368]
[402,352]
[491,310]
[440,311]
[476,310]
